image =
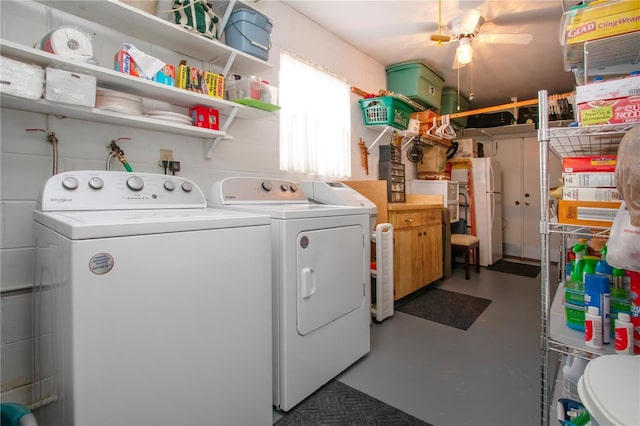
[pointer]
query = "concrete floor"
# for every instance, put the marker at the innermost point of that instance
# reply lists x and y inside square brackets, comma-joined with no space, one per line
[487,375]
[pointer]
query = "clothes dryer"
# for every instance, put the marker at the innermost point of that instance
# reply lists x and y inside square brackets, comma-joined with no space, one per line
[149,306]
[321,282]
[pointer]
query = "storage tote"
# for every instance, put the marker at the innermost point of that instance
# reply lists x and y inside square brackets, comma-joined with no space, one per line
[449,105]
[249,32]
[386,110]
[416,81]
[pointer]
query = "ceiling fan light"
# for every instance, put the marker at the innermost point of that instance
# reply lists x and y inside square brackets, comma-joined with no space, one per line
[464,52]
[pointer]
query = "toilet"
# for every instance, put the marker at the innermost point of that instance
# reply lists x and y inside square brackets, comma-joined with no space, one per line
[610,389]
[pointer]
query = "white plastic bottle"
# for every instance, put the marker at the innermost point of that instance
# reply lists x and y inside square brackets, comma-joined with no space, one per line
[593,328]
[571,373]
[624,334]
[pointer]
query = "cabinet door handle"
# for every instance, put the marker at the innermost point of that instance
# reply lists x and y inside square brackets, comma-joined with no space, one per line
[517,203]
[410,220]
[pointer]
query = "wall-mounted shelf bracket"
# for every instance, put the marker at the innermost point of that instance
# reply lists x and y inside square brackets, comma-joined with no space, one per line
[210,144]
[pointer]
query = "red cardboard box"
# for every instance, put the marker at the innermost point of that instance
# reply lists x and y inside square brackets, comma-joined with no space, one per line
[124,63]
[599,163]
[207,118]
[610,111]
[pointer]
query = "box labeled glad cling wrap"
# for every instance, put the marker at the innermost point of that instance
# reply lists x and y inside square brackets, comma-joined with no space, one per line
[611,111]
[602,19]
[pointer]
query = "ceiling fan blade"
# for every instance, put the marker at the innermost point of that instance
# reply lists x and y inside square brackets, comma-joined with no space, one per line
[505,38]
[471,19]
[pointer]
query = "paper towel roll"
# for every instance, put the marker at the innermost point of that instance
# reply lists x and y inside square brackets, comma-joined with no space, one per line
[70,43]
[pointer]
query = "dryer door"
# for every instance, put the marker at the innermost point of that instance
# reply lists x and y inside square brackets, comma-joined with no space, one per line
[331,280]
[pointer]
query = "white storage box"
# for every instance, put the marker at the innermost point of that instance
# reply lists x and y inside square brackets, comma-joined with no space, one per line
[610,89]
[20,79]
[590,194]
[70,87]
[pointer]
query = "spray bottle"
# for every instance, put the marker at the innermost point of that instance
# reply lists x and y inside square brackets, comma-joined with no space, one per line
[603,268]
[578,264]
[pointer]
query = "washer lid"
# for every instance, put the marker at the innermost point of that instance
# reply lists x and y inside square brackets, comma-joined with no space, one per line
[298,211]
[80,225]
[610,389]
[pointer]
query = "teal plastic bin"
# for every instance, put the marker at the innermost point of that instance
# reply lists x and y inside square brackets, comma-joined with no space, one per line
[249,32]
[12,414]
[450,102]
[416,81]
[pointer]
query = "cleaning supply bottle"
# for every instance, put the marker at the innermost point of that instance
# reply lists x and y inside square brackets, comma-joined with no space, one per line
[597,294]
[593,328]
[603,268]
[624,334]
[578,265]
[590,263]
[571,373]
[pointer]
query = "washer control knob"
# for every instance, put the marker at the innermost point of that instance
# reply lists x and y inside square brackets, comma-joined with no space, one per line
[70,183]
[187,187]
[96,183]
[135,183]
[284,187]
[293,187]
[266,186]
[169,185]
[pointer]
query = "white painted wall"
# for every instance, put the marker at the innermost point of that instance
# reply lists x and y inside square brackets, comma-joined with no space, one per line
[26,157]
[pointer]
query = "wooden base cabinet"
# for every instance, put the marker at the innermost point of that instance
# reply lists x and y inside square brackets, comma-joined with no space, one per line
[417,248]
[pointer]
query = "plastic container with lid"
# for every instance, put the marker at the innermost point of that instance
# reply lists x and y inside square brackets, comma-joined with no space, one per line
[624,334]
[610,389]
[593,328]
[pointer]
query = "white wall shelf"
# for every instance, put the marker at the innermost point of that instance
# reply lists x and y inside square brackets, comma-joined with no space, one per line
[137,23]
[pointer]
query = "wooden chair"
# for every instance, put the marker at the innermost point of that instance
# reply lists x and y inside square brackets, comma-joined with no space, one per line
[470,244]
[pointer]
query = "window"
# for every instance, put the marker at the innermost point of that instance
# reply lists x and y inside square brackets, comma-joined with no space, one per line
[315,120]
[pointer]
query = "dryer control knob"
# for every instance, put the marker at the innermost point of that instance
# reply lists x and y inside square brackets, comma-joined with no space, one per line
[266,186]
[96,183]
[187,187]
[135,183]
[70,183]
[284,187]
[169,185]
[293,187]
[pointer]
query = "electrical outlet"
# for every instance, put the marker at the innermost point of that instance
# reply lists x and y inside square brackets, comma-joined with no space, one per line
[165,155]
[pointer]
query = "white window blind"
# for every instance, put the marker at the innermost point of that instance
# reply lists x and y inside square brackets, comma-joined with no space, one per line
[315,120]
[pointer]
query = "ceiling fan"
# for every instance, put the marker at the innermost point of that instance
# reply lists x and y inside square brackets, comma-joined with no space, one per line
[465,28]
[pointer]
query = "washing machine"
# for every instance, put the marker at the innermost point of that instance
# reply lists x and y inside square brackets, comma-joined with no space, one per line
[320,277]
[149,307]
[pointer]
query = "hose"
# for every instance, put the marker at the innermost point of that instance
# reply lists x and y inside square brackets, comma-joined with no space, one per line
[116,151]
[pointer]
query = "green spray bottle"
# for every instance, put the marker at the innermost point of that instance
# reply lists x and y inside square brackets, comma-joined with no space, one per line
[578,265]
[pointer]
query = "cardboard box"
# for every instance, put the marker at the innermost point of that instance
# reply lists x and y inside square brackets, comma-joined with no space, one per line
[467,148]
[590,179]
[70,87]
[587,213]
[590,194]
[167,75]
[215,84]
[603,20]
[608,89]
[612,111]
[598,163]
[207,118]
[124,63]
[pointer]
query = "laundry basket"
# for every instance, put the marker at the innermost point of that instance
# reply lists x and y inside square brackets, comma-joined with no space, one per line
[386,110]
[13,414]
